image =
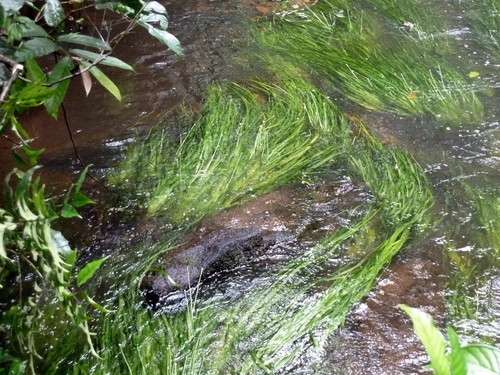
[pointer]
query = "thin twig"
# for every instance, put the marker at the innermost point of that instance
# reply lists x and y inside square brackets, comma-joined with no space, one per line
[16,69]
[79,72]
[10,140]
[133,22]
[77,154]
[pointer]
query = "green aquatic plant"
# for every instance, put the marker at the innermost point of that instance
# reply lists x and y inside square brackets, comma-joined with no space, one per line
[483,16]
[475,265]
[487,213]
[284,315]
[345,45]
[400,12]
[247,141]
[266,330]
[134,341]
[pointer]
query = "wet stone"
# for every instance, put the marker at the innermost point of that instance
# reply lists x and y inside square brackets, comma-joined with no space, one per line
[261,235]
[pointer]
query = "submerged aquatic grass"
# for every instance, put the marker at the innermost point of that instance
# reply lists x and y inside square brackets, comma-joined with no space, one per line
[252,138]
[484,17]
[286,318]
[247,142]
[470,302]
[297,309]
[340,42]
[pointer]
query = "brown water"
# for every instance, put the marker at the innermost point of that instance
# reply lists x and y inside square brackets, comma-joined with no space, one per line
[377,339]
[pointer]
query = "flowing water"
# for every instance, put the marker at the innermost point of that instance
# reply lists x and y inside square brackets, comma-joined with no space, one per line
[452,271]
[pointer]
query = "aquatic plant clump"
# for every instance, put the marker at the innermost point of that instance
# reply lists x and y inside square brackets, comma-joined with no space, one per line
[247,141]
[403,75]
[267,330]
[484,16]
[283,320]
[272,327]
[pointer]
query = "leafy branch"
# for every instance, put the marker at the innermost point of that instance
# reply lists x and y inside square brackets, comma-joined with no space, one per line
[29,246]
[23,40]
[33,254]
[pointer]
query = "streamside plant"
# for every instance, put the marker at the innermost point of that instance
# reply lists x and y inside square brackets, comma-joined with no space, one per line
[471,359]
[38,262]
[405,75]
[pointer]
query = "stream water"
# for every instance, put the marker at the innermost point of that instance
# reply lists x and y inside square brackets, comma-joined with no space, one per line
[447,273]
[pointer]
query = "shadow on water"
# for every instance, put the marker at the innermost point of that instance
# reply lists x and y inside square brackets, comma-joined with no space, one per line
[376,338]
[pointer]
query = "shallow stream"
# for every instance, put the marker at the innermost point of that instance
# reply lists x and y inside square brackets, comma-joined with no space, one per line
[451,269]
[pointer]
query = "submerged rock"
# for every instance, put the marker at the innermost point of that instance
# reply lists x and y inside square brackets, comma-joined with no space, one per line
[302,216]
[182,268]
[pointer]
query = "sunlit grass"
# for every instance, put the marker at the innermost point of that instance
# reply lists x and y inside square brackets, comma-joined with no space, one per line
[247,141]
[405,75]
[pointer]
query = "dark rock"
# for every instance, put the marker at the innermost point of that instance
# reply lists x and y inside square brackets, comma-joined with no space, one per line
[184,267]
[301,215]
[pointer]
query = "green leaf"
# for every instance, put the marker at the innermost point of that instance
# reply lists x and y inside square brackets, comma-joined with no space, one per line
[14,32]
[457,360]
[11,6]
[88,271]
[103,80]
[154,12]
[53,13]
[60,242]
[81,178]
[155,18]
[80,200]
[71,258]
[61,70]
[30,29]
[6,224]
[104,60]
[96,305]
[127,7]
[431,337]
[69,212]
[154,7]
[34,48]
[19,159]
[25,178]
[164,36]
[34,72]
[17,367]
[32,154]
[84,40]
[481,359]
